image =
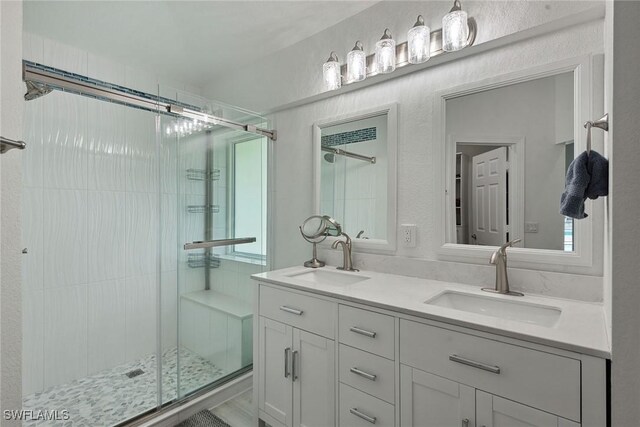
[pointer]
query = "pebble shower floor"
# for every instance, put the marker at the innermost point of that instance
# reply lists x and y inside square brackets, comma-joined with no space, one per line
[111,397]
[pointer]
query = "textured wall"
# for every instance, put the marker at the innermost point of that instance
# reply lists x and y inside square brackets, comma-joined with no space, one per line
[625,205]
[295,73]
[418,199]
[10,204]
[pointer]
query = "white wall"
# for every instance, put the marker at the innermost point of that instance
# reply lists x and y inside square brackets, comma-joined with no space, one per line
[295,73]
[10,206]
[624,101]
[417,196]
[526,110]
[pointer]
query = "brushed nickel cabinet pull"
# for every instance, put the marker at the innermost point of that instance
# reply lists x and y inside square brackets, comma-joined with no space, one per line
[364,374]
[474,364]
[363,332]
[365,417]
[291,310]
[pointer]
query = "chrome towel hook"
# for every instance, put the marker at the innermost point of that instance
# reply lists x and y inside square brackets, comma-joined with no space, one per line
[601,123]
[7,144]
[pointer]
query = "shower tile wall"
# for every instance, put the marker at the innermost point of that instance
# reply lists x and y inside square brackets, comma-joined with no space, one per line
[91,226]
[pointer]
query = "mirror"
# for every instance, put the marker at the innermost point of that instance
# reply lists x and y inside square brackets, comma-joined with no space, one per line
[508,143]
[355,175]
[513,145]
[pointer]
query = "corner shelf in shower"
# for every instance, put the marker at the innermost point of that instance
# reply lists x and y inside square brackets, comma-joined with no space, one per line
[203,260]
[203,174]
[203,208]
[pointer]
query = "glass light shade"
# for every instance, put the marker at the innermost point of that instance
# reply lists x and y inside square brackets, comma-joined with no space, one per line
[419,43]
[455,30]
[386,54]
[331,73]
[356,64]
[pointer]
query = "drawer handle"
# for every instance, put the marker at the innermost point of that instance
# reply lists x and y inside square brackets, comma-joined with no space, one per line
[473,363]
[365,417]
[287,351]
[291,310]
[362,332]
[367,375]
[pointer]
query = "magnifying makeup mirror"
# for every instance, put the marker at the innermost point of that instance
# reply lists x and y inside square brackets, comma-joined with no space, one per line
[315,229]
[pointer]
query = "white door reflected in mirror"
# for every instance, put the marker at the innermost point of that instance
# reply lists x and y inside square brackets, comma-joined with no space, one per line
[509,148]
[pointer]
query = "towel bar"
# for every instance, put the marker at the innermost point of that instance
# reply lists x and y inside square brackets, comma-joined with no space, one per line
[7,144]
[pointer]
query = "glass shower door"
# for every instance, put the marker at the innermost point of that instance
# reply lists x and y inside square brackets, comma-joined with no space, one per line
[220,206]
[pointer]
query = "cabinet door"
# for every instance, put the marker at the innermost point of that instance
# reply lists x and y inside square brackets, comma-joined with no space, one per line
[275,394]
[427,400]
[313,380]
[494,411]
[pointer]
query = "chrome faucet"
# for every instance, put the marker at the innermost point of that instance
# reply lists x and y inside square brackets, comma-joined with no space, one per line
[347,263]
[499,259]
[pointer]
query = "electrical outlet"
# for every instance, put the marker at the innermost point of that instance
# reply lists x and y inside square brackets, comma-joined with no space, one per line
[408,233]
[530,227]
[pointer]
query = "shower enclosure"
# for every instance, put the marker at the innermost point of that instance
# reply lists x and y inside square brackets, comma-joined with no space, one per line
[142,225]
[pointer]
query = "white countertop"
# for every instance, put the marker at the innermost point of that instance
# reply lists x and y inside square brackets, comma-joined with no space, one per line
[581,327]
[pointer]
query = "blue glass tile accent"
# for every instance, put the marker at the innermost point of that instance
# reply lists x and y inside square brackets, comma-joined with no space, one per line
[349,137]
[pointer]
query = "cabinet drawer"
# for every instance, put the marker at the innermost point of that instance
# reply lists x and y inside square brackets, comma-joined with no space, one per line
[358,409]
[301,311]
[542,380]
[367,372]
[367,330]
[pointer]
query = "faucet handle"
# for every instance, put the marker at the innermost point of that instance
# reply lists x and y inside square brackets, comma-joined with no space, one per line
[502,250]
[504,247]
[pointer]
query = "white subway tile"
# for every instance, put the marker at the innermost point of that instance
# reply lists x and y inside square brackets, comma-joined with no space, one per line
[106,325]
[65,334]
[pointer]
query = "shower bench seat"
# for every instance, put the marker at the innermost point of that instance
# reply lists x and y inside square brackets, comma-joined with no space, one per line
[218,327]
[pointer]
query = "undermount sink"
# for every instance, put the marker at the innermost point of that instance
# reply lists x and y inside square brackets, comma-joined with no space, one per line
[327,277]
[511,309]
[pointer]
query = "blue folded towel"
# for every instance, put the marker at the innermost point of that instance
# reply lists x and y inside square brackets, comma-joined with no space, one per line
[587,177]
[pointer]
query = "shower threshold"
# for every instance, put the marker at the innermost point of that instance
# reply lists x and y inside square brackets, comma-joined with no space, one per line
[116,395]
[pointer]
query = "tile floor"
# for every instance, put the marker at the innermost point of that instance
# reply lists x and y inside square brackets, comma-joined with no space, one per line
[110,397]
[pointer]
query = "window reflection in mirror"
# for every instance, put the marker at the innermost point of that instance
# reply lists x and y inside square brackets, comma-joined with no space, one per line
[353,175]
[510,148]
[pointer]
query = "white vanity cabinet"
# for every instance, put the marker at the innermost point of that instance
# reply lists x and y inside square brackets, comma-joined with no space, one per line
[295,378]
[326,361]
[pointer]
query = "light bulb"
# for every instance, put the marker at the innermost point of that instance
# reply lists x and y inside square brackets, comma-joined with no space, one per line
[386,53]
[419,42]
[455,29]
[356,64]
[331,72]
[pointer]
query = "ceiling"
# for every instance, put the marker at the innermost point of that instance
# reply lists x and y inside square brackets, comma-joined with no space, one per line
[190,41]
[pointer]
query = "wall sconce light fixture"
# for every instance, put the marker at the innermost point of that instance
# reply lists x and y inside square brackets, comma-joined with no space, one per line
[419,42]
[356,64]
[331,73]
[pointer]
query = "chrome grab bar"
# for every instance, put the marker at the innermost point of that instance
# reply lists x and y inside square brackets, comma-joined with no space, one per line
[371,377]
[291,310]
[219,242]
[474,364]
[362,332]
[365,417]
[7,144]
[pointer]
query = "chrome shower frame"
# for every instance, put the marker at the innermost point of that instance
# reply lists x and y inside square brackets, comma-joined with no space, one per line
[41,79]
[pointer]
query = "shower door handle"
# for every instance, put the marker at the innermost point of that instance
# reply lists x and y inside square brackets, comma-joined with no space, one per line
[217,243]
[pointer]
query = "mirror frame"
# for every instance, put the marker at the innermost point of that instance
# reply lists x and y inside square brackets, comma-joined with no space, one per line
[523,257]
[391,110]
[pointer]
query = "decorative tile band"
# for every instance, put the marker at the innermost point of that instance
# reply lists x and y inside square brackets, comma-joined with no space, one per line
[349,137]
